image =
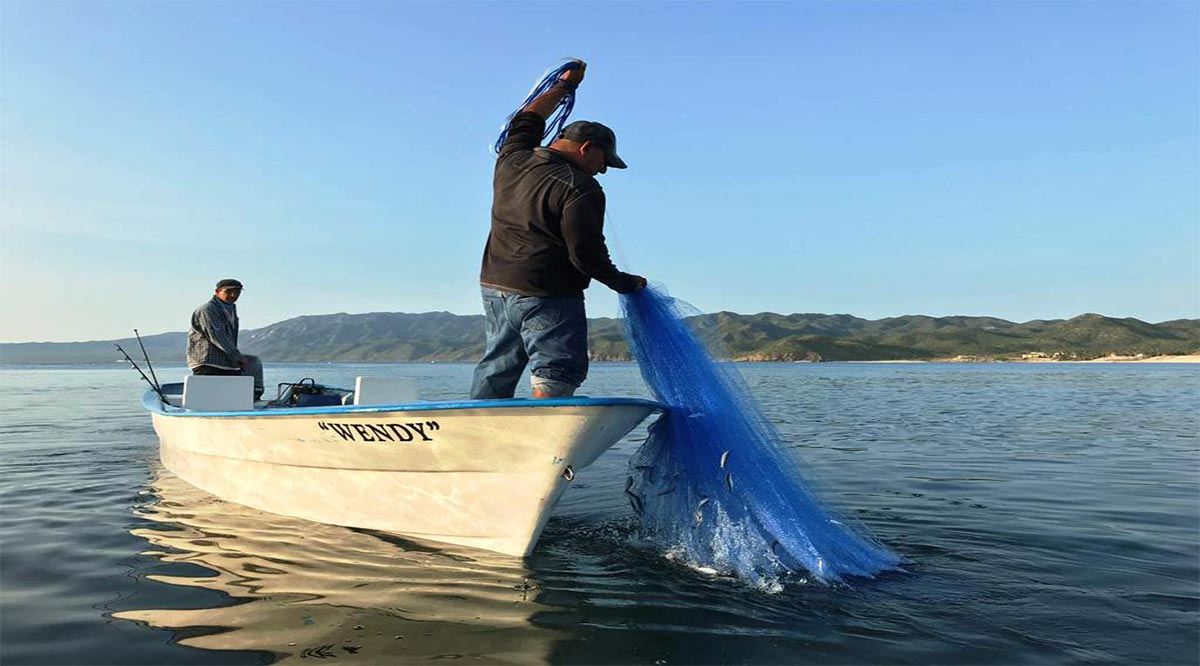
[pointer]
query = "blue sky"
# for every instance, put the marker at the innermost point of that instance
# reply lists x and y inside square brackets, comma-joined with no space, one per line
[1015,159]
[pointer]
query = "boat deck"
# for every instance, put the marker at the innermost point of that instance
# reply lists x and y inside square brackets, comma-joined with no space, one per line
[174,395]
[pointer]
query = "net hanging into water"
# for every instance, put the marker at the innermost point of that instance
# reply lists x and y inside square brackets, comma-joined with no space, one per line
[713,483]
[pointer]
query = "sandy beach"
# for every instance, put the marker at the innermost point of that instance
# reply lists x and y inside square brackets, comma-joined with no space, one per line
[1185,358]
[1189,358]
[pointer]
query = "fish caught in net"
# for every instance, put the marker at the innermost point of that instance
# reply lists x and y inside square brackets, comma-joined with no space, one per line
[713,483]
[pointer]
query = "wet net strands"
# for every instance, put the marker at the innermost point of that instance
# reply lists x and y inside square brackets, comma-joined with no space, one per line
[714,483]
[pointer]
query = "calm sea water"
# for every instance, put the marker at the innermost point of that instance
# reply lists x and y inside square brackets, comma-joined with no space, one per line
[1051,514]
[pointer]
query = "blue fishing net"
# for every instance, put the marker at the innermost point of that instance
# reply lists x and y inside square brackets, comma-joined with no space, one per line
[713,483]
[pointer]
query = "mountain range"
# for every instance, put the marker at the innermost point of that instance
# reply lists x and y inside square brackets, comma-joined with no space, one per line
[442,336]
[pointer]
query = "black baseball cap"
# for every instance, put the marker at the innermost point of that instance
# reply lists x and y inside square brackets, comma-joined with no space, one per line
[229,282]
[587,130]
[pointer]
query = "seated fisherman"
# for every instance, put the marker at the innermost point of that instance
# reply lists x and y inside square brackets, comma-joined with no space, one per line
[212,339]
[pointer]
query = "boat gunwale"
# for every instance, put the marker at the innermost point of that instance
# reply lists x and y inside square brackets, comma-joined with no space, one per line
[151,401]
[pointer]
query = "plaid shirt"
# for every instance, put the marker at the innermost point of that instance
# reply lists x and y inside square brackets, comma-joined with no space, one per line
[212,340]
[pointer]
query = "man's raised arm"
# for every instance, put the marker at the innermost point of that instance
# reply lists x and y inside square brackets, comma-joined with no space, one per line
[548,101]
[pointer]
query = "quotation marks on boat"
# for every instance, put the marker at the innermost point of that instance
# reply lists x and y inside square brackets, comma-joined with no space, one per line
[382,432]
[327,651]
[319,652]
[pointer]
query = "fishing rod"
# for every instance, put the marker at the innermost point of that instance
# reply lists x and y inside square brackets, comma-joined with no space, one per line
[135,367]
[147,357]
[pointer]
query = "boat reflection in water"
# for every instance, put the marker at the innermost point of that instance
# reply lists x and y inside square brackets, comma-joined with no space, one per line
[310,590]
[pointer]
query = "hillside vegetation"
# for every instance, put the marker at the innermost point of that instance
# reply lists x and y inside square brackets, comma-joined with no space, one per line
[442,336]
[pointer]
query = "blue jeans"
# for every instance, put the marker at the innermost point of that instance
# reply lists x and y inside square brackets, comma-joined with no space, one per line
[548,333]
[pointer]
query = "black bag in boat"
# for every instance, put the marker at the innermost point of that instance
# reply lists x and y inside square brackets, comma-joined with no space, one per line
[306,393]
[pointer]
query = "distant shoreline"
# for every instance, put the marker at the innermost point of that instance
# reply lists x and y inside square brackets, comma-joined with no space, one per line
[1182,358]
[387,337]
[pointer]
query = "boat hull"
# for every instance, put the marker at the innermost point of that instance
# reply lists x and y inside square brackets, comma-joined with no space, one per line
[485,475]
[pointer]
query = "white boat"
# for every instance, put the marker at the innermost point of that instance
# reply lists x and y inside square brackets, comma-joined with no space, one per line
[479,473]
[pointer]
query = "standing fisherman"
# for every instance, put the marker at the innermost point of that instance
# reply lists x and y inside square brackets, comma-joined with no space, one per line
[212,339]
[545,247]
